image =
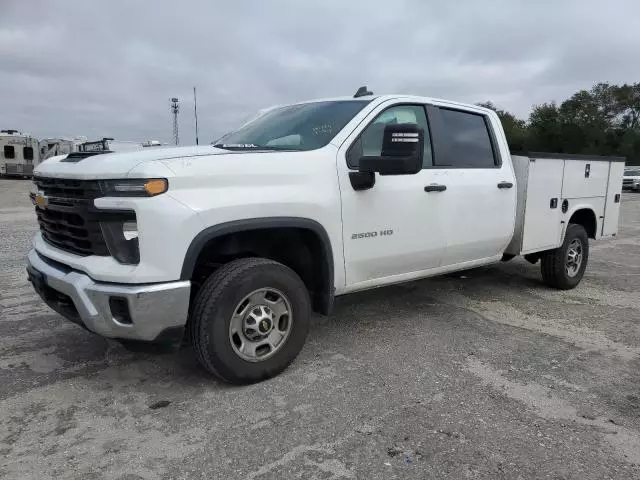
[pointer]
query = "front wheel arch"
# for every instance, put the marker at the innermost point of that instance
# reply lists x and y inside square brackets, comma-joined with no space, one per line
[322,295]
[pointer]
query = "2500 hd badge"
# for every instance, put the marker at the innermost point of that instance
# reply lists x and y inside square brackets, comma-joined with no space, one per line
[357,236]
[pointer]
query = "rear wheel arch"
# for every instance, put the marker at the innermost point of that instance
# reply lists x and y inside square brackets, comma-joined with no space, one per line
[300,243]
[586,217]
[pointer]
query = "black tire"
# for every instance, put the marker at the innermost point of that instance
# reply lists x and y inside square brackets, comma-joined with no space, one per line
[214,306]
[553,266]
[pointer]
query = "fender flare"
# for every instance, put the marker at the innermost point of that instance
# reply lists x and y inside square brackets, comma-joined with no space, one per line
[210,233]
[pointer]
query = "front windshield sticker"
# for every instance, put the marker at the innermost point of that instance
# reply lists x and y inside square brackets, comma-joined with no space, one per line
[236,145]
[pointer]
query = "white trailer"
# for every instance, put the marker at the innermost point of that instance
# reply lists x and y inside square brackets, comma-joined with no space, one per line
[19,153]
[52,147]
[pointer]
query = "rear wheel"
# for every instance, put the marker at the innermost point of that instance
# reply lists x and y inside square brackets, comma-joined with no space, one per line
[250,320]
[564,267]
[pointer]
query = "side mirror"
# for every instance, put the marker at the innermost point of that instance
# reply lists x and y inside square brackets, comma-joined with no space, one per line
[402,151]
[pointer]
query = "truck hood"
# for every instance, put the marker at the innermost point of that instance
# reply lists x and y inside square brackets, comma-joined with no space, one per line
[118,165]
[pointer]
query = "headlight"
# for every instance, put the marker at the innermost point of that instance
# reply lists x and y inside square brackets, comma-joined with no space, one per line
[134,187]
[120,233]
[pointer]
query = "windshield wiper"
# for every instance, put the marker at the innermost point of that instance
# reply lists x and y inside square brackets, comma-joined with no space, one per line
[251,146]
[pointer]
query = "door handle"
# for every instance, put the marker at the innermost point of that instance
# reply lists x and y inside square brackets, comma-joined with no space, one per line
[435,188]
[505,185]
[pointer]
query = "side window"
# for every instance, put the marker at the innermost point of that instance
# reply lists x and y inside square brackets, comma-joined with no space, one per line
[369,143]
[469,139]
[9,151]
[28,153]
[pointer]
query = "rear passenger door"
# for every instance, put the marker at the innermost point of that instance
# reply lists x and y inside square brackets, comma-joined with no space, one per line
[471,159]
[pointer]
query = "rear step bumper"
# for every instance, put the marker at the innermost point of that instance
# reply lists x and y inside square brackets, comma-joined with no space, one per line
[150,313]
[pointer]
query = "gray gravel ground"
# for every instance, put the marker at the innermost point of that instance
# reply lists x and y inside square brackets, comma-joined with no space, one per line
[485,374]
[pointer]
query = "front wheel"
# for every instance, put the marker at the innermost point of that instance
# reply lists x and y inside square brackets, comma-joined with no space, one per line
[563,268]
[250,320]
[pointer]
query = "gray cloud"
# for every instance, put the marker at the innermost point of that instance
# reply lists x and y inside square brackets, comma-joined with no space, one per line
[108,68]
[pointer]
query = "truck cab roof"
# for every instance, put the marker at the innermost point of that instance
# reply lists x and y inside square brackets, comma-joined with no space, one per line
[384,98]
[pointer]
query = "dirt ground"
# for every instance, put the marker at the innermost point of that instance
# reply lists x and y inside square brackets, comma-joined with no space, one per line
[482,374]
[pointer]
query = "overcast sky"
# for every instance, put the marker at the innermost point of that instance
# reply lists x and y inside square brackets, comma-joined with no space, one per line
[108,68]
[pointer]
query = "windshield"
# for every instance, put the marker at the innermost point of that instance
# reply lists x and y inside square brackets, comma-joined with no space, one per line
[296,127]
[632,173]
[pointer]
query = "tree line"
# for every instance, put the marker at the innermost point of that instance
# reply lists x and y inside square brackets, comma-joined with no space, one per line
[602,121]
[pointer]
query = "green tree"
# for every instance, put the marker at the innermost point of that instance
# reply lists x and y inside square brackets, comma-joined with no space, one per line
[628,101]
[544,129]
[583,124]
[604,120]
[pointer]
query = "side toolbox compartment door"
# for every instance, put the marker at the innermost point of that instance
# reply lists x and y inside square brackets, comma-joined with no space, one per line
[585,178]
[612,203]
[542,227]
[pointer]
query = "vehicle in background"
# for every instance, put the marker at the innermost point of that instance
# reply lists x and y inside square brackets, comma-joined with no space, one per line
[119,146]
[52,147]
[19,153]
[110,145]
[631,179]
[233,245]
[152,143]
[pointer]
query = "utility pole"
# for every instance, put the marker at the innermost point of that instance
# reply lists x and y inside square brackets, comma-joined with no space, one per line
[195,112]
[175,108]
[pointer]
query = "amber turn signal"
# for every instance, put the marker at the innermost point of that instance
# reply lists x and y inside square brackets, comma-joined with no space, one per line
[156,186]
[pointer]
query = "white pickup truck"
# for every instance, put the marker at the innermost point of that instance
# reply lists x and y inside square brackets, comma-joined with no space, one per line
[233,245]
[631,179]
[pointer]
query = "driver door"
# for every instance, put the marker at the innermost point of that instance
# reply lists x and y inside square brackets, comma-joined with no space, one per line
[392,231]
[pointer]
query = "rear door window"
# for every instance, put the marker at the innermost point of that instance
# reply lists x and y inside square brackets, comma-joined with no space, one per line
[470,141]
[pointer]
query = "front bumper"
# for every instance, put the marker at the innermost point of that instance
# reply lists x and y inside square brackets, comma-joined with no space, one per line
[152,313]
